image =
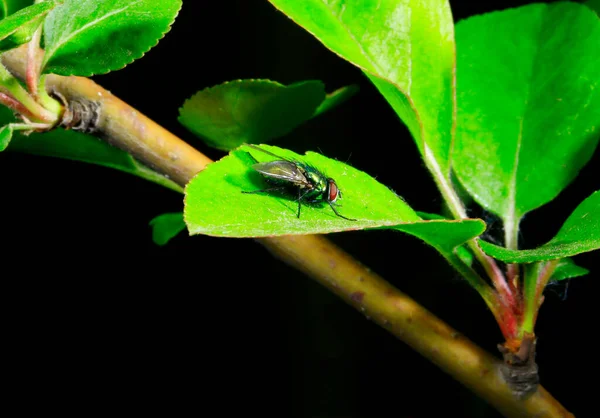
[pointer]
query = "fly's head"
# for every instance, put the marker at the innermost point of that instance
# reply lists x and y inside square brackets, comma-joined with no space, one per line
[333,192]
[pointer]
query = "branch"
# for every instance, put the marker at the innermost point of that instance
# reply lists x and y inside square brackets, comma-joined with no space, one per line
[128,129]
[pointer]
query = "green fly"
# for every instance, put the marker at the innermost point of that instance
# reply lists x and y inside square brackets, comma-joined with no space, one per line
[303,180]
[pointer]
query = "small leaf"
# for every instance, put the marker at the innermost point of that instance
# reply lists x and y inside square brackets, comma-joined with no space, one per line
[87,37]
[250,111]
[166,227]
[529,104]
[449,238]
[567,269]
[447,235]
[6,133]
[462,252]
[407,50]
[72,145]
[18,28]
[336,98]
[579,234]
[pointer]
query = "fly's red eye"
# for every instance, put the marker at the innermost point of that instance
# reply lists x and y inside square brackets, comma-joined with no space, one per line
[333,191]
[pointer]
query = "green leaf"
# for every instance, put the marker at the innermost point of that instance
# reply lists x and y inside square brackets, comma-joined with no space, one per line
[407,50]
[528,104]
[215,204]
[463,252]
[166,227]
[250,111]
[6,133]
[567,269]
[87,37]
[18,28]
[336,98]
[447,235]
[579,234]
[73,145]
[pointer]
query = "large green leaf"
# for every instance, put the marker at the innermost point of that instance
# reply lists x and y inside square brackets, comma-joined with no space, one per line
[528,104]
[18,28]
[406,48]
[87,37]
[72,145]
[215,204]
[579,234]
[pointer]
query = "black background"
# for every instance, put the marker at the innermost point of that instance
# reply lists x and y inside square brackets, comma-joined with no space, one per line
[97,316]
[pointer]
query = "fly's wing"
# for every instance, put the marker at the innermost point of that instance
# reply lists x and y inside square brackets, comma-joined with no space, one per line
[282,170]
[266,152]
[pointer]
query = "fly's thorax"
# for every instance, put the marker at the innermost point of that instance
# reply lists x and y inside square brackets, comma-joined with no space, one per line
[316,178]
[316,184]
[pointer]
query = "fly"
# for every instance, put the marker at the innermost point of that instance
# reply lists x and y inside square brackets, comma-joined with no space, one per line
[307,182]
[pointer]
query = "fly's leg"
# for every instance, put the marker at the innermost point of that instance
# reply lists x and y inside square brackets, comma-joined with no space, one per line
[270,189]
[299,202]
[300,197]
[337,213]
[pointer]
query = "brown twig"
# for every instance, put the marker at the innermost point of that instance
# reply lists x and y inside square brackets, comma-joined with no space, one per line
[128,129]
